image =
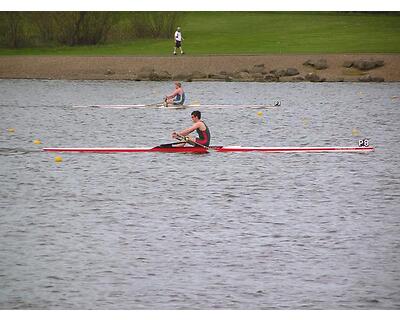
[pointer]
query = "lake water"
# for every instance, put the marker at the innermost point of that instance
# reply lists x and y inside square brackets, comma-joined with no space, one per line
[211,231]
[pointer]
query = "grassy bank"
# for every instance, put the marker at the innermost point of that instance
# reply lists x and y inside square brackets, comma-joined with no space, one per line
[259,33]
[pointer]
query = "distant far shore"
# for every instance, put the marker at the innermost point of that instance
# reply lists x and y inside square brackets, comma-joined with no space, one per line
[258,68]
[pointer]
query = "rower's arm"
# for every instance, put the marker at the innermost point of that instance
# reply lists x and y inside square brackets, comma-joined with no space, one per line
[173,94]
[189,130]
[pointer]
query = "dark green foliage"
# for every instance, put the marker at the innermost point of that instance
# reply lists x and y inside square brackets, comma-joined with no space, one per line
[30,29]
[155,24]
[12,29]
[81,28]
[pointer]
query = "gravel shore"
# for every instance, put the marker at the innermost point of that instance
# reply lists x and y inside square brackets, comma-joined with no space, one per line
[205,68]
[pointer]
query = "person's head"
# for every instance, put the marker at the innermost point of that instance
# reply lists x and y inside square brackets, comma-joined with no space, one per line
[196,116]
[178,29]
[178,84]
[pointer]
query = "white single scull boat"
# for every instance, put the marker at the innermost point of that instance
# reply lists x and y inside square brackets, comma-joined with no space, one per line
[185,106]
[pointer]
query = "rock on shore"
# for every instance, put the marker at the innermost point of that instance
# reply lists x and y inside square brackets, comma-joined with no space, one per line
[260,68]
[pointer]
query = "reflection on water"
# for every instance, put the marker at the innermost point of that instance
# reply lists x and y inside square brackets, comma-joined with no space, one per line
[187,231]
[16,151]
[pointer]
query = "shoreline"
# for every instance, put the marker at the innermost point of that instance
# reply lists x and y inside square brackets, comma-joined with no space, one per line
[257,68]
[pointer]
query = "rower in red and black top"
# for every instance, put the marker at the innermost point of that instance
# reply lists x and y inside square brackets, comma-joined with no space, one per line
[201,128]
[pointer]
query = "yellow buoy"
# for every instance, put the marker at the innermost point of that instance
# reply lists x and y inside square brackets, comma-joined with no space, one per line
[355,133]
[306,122]
[37,141]
[11,130]
[58,159]
[259,113]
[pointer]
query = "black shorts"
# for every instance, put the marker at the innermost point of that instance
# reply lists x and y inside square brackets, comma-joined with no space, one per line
[177,44]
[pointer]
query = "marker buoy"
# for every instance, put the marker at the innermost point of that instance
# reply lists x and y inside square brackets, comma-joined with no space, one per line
[259,113]
[11,130]
[37,141]
[58,159]
[355,133]
[306,122]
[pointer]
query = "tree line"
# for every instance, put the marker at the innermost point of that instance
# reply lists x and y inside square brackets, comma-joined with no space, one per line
[36,29]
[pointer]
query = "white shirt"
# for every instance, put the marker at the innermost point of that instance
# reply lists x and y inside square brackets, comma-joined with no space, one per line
[178,36]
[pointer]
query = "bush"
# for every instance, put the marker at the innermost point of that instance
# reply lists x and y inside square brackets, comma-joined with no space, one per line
[24,29]
[155,24]
[12,29]
[82,28]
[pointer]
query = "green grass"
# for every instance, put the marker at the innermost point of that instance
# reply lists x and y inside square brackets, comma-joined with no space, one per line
[137,47]
[259,33]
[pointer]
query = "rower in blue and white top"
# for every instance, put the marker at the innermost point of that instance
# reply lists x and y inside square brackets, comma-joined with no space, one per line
[177,97]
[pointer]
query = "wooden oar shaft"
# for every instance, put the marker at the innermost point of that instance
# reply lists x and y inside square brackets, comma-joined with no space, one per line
[167,145]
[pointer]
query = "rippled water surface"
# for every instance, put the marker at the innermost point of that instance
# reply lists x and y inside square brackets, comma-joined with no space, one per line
[212,231]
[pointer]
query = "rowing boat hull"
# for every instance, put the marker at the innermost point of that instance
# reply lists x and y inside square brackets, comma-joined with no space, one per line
[217,149]
[297,150]
[130,150]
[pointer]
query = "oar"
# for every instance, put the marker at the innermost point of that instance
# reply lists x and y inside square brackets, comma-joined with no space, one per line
[157,104]
[193,143]
[168,145]
[162,103]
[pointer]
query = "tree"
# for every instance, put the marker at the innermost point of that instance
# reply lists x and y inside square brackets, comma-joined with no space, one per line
[12,29]
[155,24]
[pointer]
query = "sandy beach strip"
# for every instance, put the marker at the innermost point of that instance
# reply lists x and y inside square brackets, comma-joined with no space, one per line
[130,67]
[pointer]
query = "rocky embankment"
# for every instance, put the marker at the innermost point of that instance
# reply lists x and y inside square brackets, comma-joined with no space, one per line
[260,68]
